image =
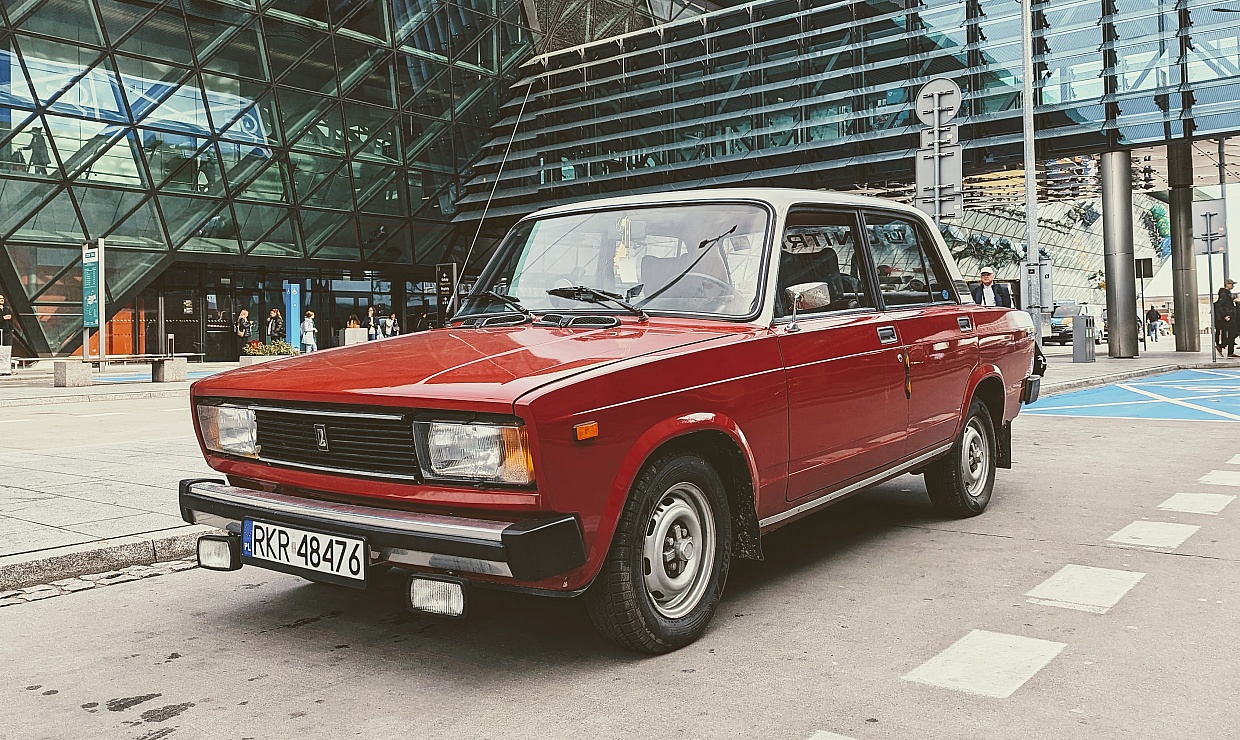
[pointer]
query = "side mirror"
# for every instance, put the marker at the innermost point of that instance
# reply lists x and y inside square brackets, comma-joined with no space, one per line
[795,296]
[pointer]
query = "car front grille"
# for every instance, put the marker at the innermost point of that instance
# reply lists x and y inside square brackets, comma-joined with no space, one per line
[363,443]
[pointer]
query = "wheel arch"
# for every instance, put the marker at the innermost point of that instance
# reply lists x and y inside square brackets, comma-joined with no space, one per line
[989,390]
[719,441]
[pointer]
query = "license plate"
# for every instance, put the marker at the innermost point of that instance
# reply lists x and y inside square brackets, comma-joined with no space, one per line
[316,555]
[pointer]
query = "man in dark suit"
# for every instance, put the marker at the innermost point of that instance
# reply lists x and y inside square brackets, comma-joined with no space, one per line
[990,293]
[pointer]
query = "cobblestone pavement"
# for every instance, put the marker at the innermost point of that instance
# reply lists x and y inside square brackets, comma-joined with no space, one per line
[96,580]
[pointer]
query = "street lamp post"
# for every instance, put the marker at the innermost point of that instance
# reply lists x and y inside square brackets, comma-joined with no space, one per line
[1030,154]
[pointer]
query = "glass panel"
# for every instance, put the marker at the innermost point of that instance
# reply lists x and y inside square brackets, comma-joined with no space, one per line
[216,234]
[147,83]
[279,243]
[434,97]
[370,19]
[270,185]
[161,36]
[408,15]
[243,163]
[372,129]
[36,266]
[322,182]
[183,111]
[239,55]
[65,289]
[141,230]
[385,240]
[56,221]
[313,12]
[326,135]
[119,16]
[63,19]
[124,268]
[229,99]
[53,66]
[182,164]
[430,241]
[96,95]
[18,199]
[376,86]
[256,127]
[17,8]
[324,227]
[299,110]
[102,208]
[117,165]
[254,221]
[184,216]
[379,188]
[286,43]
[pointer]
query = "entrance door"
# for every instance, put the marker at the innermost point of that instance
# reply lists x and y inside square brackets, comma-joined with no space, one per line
[847,413]
[183,318]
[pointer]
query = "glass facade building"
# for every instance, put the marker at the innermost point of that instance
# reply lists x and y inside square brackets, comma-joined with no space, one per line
[222,148]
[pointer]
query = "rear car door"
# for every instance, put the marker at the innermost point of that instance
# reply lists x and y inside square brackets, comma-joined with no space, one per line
[920,298]
[843,358]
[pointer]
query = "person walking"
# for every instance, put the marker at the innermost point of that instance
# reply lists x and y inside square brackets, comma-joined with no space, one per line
[309,334]
[6,324]
[371,325]
[990,293]
[1225,321]
[39,156]
[1152,317]
[275,326]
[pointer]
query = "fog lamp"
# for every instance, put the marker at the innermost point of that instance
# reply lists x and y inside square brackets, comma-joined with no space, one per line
[219,552]
[439,595]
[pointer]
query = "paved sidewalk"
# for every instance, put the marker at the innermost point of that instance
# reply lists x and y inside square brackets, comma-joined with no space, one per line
[33,386]
[78,509]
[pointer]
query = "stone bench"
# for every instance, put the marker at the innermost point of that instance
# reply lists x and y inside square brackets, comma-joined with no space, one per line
[71,373]
[76,372]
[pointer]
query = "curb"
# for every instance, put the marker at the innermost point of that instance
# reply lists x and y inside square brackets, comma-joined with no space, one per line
[45,566]
[45,400]
[1082,383]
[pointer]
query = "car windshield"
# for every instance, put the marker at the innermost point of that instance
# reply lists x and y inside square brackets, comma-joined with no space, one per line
[1065,311]
[684,259]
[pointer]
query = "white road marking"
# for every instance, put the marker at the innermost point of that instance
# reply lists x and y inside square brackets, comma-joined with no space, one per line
[107,413]
[1197,503]
[987,663]
[1234,461]
[1221,478]
[12,421]
[1085,589]
[1164,535]
[1177,402]
[824,735]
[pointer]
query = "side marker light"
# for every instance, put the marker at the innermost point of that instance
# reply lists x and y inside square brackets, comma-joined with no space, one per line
[588,430]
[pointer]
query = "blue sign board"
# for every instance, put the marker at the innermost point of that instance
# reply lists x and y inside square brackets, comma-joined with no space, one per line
[92,284]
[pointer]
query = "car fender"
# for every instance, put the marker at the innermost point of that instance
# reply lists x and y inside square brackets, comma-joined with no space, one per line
[656,437]
[982,372]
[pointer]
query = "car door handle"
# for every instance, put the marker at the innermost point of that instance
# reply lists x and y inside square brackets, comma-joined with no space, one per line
[965,324]
[887,335]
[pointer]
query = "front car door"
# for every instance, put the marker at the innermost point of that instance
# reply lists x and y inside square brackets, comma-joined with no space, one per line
[843,358]
[922,299]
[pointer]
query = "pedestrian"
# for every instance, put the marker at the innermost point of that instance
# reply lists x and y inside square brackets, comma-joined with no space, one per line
[371,325]
[1152,317]
[39,156]
[990,293]
[1225,321]
[6,323]
[309,334]
[391,327]
[275,326]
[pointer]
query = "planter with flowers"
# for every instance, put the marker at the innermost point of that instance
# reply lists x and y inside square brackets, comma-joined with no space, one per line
[254,351]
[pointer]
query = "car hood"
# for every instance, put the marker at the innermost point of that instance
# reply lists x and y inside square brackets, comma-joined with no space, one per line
[456,368]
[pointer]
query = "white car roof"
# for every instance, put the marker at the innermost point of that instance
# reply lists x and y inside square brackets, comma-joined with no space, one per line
[781,199]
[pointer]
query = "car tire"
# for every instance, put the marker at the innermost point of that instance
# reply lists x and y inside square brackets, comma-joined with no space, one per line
[961,483]
[665,571]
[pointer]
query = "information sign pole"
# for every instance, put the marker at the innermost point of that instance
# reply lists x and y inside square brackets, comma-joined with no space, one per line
[94,299]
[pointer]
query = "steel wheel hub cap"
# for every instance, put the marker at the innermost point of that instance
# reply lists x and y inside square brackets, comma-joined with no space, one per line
[678,550]
[975,458]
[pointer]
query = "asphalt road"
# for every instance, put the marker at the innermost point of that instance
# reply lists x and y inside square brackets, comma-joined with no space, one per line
[819,638]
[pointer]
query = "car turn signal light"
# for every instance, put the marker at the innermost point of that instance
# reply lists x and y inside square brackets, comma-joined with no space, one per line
[588,430]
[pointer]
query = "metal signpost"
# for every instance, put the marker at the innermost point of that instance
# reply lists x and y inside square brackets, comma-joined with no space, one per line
[292,313]
[940,160]
[1037,289]
[94,313]
[1145,269]
[1204,228]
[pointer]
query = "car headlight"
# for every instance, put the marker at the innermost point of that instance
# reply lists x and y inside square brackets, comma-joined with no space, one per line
[495,453]
[228,429]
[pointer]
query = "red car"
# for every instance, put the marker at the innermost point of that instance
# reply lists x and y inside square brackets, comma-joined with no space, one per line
[637,391]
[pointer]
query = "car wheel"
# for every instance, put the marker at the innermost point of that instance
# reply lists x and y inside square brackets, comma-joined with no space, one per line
[960,484]
[669,559]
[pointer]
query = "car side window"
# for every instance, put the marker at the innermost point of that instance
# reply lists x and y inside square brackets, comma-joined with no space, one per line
[821,266]
[910,269]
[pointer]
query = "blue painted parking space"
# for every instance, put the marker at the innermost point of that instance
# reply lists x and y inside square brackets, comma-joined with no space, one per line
[146,377]
[1186,395]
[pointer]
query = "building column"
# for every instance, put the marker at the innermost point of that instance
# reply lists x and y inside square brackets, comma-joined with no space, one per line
[1183,257]
[1117,250]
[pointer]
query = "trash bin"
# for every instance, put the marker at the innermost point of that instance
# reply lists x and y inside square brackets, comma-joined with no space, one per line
[1083,332]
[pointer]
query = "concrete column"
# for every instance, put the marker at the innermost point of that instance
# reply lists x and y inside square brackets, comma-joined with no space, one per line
[1117,249]
[1183,259]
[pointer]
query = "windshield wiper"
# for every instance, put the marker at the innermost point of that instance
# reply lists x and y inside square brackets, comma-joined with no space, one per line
[587,294]
[495,296]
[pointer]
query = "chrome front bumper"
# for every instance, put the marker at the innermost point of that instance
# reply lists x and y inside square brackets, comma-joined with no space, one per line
[528,550]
